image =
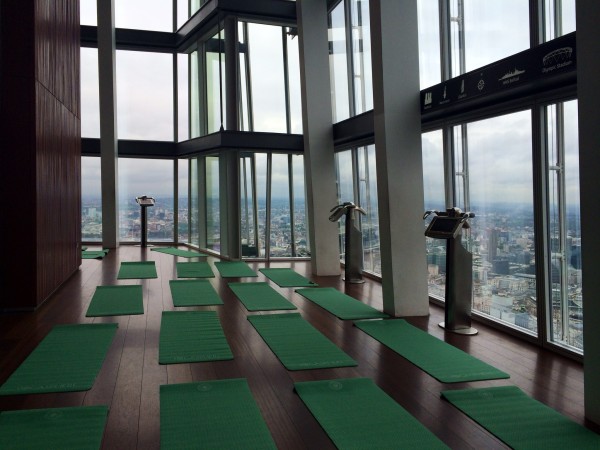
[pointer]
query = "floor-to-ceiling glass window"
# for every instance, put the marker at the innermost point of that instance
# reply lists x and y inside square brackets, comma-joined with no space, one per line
[356,179]
[90,94]
[249,223]
[565,306]
[301,241]
[215,82]
[559,18]
[154,178]
[144,95]
[497,173]
[367,195]
[213,205]
[91,199]
[262,173]
[350,59]
[144,15]
[194,219]
[183,184]
[184,97]
[430,71]
[338,63]
[432,144]
[267,82]
[482,32]
[280,218]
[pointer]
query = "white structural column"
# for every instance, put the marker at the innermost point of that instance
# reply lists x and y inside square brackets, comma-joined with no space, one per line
[319,159]
[588,94]
[397,116]
[108,123]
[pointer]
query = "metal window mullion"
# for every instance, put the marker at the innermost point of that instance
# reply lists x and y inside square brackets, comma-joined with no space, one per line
[449,168]
[176,201]
[541,220]
[268,207]
[558,29]
[291,191]
[255,204]
[248,78]
[562,215]
[465,165]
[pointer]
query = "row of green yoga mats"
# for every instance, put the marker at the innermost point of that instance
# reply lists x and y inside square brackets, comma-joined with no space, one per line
[68,359]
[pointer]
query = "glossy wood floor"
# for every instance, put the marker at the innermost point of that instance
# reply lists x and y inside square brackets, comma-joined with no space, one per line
[130,377]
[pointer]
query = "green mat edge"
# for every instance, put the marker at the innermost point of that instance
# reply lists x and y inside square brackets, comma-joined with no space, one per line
[502,375]
[251,318]
[376,313]
[292,307]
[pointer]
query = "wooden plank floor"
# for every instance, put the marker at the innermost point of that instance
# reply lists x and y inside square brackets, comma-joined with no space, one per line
[130,377]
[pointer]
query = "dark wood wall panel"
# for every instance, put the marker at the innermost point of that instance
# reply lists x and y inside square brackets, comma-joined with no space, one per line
[41,157]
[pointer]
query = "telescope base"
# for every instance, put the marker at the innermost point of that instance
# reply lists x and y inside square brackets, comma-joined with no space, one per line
[353,280]
[469,331]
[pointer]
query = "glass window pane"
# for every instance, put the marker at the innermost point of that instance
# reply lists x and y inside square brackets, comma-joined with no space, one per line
[151,177]
[369,223]
[345,189]
[559,18]
[145,96]
[90,94]
[338,64]
[429,43]
[248,213]
[213,206]
[488,37]
[294,77]
[265,47]
[261,161]
[215,71]
[144,15]
[502,233]
[194,96]
[183,97]
[361,47]
[91,199]
[433,182]
[194,202]
[183,231]
[300,214]
[564,226]
[281,228]
[183,14]
[88,12]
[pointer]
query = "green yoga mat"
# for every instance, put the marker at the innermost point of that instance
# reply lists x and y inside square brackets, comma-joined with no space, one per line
[177,252]
[116,301]
[355,413]
[137,269]
[93,254]
[200,269]
[339,304]
[297,344]
[286,277]
[76,428]
[259,296]
[191,336]
[520,421]
[234,269]
[442,361]
[68,359]
[217,414]
[193,293]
